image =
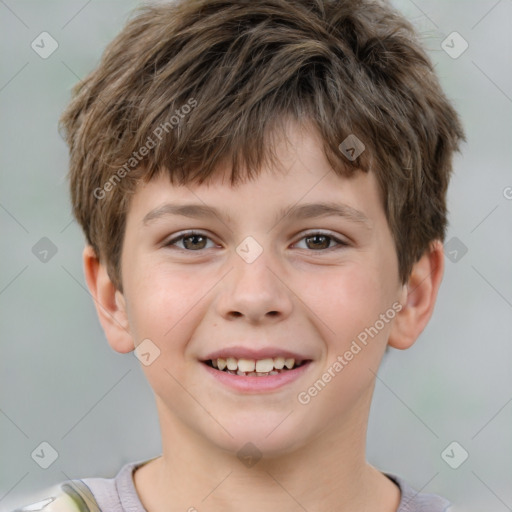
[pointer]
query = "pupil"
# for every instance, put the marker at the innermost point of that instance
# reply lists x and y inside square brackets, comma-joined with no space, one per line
[324,237]
[194,237]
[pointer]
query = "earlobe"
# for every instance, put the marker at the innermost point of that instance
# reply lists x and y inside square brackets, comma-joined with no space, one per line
[110,303]
[419,298]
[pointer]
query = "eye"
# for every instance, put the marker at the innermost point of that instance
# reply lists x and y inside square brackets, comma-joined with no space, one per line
[192,241]
[195,241]
[321,241]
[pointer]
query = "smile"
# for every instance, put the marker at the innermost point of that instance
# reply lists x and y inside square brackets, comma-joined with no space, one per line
[246,375]
[254,367]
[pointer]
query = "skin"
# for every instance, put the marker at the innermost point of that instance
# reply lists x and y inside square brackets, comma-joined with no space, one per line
[298,294]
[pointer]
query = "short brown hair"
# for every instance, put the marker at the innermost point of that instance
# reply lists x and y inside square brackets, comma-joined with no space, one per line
[242,67]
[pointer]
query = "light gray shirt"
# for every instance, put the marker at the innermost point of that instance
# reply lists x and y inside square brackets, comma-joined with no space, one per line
[119,494]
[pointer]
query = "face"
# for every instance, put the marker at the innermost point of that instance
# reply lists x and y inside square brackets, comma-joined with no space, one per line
[255,277]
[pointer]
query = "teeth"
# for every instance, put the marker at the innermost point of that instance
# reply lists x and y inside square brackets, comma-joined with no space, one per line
[232,363]
[289,363]
[278,363]
[260,367]
[246,365]
[264,365]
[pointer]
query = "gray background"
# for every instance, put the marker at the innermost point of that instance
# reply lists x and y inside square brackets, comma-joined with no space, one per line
[61,383]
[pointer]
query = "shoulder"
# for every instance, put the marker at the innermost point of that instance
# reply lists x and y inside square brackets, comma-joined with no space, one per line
[414,501]
[69,496]
[91,494]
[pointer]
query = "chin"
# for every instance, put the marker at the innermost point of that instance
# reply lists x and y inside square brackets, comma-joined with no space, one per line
[271,437]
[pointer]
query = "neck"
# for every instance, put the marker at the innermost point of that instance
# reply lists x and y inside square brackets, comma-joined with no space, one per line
[330,473]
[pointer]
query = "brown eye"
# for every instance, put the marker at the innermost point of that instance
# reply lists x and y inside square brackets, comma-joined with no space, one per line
[318,241]
[191,242]
[322,242]
[194,242]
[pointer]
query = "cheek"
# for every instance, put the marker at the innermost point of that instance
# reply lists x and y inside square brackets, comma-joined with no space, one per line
[164,307]
[355,335]
[347,301]
[162,303]
[349,306]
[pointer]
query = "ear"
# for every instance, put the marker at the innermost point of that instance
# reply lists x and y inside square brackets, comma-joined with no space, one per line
[110,303]
[419,297]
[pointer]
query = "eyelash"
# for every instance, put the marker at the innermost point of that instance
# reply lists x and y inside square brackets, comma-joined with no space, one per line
[340,243]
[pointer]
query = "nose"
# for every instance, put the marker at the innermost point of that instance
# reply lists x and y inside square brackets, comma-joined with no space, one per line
[254,292]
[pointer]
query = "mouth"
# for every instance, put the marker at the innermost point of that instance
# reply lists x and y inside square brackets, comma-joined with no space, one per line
[243,367]
[262,374]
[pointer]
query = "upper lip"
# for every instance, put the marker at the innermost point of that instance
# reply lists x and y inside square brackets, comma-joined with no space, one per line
[240,352]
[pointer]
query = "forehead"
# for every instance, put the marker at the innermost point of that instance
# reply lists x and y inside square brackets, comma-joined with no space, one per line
[299,183]
[263,203]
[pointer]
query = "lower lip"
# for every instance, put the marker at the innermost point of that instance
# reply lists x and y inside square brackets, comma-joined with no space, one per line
[257,384]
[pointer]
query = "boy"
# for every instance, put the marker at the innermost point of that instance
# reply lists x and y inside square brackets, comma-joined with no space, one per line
[262,186]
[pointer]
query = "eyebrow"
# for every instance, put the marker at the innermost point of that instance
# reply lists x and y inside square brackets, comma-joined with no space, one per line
[299,211]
